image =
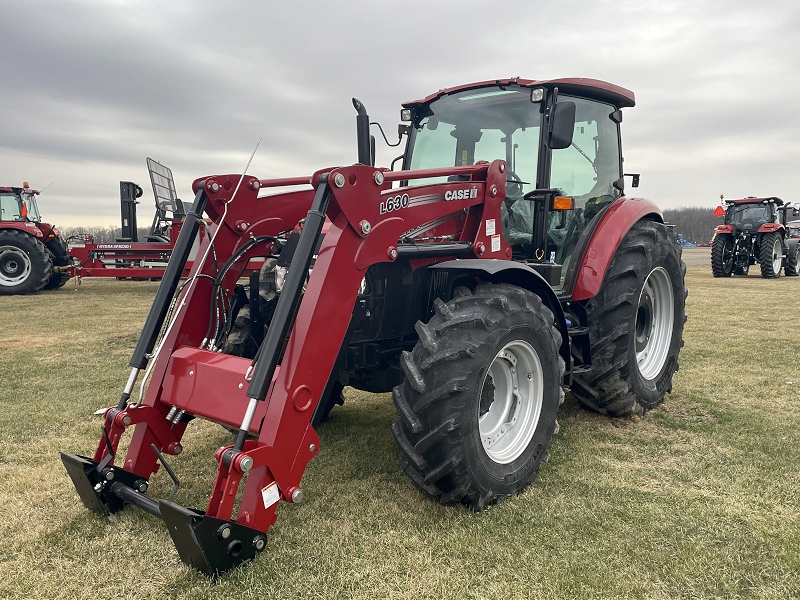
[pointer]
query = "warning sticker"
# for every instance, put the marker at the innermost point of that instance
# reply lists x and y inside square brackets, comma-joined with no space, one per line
[496,243]
[270,494]
[490,230]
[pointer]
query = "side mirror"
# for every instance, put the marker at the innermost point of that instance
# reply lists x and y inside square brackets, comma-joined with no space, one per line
[562,125]
[634,178]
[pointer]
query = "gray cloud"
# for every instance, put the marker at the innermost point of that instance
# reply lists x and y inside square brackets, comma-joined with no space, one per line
[91,88]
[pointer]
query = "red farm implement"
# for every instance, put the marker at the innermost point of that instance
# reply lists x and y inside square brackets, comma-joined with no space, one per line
[500,266]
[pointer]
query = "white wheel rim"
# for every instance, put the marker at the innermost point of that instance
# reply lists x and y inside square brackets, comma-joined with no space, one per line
[15,266]
[777,256]
[507,425]
[655,316]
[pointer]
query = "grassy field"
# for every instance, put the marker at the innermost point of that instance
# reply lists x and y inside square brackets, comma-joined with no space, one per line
[697,500]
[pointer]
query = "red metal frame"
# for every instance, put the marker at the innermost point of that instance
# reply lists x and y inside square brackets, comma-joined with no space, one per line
[195,380]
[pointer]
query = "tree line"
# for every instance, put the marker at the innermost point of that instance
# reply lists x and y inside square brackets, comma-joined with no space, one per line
[695,223]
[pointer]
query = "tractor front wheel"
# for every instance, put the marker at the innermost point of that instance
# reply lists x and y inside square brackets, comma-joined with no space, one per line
[636,324]
[722,255]
[478,405]
[25,264]
[770,255]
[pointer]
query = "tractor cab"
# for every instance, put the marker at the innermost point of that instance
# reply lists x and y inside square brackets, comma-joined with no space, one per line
[560,141]
[749,216]
[19,204]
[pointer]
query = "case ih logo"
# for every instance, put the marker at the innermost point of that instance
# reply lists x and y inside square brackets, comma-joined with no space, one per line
[395,203]
[462,194]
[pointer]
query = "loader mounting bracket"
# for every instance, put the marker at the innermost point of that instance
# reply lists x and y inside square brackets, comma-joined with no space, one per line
[208,544]
[95,487]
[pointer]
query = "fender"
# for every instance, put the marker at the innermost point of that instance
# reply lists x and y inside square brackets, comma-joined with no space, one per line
[49,231]
[770,227]
[24,226]
[614,223]
[521,275]
[723,229]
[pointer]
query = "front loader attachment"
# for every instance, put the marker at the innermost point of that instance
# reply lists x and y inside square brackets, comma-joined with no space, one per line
[275,396]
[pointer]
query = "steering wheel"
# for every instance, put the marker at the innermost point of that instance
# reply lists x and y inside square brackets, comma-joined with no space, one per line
[513,185]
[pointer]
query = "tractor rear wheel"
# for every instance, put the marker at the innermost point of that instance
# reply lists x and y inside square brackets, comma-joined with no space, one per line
[636,324]
[770,255]
[792,261]
[58,248]
[722,255]
[481,391]
[25,264]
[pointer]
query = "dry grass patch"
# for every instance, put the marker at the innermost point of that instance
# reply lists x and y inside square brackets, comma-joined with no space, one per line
[696,500]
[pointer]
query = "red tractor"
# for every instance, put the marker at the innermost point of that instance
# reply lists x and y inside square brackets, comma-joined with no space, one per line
[31,251]
[502,265]
[754,232]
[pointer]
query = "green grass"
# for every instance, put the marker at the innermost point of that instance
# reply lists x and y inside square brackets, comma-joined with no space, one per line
[697,500]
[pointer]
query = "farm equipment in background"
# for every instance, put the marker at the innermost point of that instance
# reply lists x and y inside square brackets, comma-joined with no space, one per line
[502,264]
[127,257]
[31,251]
[34,256]
[754,232]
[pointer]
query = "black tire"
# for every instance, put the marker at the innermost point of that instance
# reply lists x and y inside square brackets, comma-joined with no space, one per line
[792,261]
[334,398]
[240,340]
[25,264]
[636,325]
[722,255]
[60,256]
[451,391]
[769,253]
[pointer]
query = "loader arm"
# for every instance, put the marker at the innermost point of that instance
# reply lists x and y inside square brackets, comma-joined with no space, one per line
[276,401]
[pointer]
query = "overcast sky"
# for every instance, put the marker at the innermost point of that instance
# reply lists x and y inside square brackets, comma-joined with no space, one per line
[90,88]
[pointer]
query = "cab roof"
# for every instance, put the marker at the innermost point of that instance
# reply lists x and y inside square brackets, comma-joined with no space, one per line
[18,190]
[770,199]
[580,86]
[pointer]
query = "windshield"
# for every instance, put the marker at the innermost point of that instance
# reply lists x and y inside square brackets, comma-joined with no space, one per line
[476,125]
[503,123]
[750,216]
[29,207]
[794,231]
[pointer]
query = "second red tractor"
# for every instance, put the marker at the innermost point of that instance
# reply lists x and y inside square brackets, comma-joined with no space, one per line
[755,232]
